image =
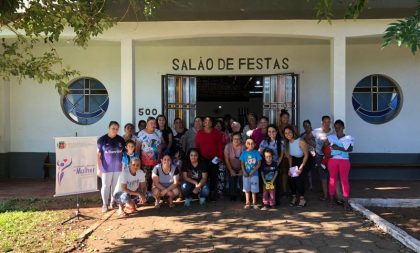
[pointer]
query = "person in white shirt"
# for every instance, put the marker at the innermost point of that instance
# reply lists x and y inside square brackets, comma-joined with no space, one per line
[321,134]
[131,186]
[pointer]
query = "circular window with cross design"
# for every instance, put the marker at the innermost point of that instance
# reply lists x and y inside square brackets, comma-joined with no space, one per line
[86,102]
[377,99]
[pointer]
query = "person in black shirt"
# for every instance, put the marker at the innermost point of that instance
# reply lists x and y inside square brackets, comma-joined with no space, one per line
[194,172]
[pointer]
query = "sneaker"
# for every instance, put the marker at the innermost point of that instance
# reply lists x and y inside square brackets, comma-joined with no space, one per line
[187,202]
[256,207]
[104,209]
[202,201]
[265,207]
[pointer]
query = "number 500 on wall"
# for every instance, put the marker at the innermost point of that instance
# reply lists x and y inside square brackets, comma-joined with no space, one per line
[147,111]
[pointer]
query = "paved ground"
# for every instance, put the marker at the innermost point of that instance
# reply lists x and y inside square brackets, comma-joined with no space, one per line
[224,226]
[359,189]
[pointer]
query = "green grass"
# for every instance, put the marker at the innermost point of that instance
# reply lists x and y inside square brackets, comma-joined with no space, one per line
[26,226]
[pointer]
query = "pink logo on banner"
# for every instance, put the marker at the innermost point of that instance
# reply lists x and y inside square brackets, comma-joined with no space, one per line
[61,166]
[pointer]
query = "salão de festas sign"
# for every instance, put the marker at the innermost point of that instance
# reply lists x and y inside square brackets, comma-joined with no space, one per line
[230,63]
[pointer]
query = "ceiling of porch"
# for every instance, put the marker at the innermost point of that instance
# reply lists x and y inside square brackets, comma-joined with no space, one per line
[193,10]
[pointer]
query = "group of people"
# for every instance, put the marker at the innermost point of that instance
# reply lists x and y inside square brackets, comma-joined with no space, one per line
[219,158]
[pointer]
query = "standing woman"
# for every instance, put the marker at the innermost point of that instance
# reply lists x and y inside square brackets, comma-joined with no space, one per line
[341,146]
[251,125]
[165,177]
[297,154]
[109,156]
[178,132]
[195,178]
[149,146]
[273,141]
[259,134]
[219,125]
[284,163]
[209,142]
[188,139]
[308,137]
[166,133]
[129,132]
[232,153]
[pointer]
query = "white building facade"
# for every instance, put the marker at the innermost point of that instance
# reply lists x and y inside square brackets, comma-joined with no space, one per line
[133,60]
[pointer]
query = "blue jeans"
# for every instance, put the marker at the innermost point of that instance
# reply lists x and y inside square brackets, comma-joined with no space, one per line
[187,189]
[123,197]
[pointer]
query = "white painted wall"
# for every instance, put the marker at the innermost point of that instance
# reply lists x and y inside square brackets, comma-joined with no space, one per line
[398,135]
[4,116]
[311,62]
[36,114]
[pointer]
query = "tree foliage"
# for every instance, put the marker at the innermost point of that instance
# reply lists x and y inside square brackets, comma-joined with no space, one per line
[42,22]
[405,31]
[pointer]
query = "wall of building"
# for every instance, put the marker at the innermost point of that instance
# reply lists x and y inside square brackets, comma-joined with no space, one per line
[31,114]
[311,62]
[399,134]
[36,116]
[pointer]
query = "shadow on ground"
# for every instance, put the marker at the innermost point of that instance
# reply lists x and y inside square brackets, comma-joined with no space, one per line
[226,227]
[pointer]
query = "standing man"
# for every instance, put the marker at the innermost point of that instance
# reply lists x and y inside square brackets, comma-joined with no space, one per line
[109,155]
[149,146]
[320,135]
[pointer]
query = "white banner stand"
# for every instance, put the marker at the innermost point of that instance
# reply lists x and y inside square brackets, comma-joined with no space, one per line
[75,167]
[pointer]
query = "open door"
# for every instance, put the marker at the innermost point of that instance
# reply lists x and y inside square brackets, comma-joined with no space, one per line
[280,92]
[180,98]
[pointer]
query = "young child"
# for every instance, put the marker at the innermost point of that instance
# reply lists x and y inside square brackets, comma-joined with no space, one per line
[128,154]
[250,163]
[268,175]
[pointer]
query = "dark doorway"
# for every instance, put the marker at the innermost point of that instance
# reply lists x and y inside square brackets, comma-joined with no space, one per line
[218,96]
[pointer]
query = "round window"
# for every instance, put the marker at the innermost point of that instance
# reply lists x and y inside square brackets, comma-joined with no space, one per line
[86,101]
[377,99]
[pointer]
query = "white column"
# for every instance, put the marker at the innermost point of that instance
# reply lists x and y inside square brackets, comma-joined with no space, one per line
[338,78]
[127,81]
[4,116]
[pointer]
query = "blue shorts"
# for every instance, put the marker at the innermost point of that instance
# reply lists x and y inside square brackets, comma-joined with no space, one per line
[123,197]
[251,184]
